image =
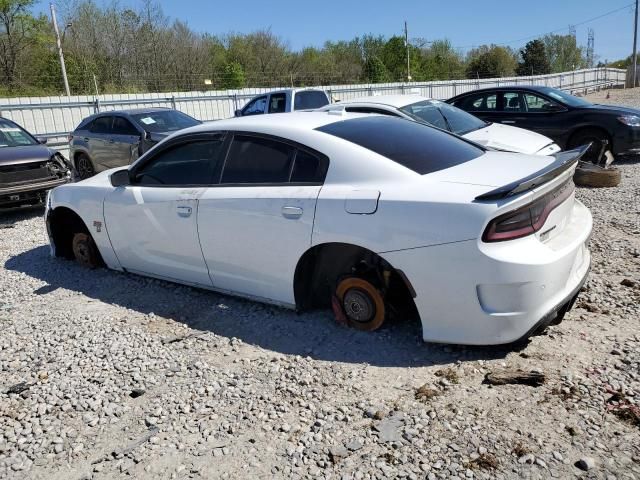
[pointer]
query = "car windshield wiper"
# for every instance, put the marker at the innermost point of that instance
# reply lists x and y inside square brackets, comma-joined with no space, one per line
[563,162]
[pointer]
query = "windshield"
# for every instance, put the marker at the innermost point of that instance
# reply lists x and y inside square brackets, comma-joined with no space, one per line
[566,98]
[164,121]
[430,111]
[11,135]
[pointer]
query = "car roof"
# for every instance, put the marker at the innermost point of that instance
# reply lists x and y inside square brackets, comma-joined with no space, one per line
[133,111]
[301,121]
[397,101]
[289,90]
[502,88]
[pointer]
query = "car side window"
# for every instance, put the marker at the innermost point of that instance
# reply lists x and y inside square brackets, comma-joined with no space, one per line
[190,163]
[538,104]
[512,102]
[278,103]
[101,125]
[484,102]
[308,168]
[256,107]
[257,160]
[122,126]
[310,99]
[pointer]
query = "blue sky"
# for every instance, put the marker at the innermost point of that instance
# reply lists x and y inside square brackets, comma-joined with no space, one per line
[464,22]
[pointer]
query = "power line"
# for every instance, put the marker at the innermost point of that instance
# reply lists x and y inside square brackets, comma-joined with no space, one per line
[573,25]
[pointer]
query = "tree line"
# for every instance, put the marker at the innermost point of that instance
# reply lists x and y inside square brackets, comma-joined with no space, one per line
[116,49]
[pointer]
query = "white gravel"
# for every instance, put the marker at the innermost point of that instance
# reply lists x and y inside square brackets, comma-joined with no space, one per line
[226,388]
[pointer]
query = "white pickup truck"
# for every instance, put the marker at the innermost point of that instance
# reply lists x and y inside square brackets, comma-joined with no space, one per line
[282,101]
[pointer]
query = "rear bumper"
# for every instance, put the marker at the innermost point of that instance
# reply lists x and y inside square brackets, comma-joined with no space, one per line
[558,312]
[28,195]
[475,293]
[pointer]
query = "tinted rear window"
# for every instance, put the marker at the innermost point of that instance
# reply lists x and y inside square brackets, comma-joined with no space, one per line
[418,147]
[310,99]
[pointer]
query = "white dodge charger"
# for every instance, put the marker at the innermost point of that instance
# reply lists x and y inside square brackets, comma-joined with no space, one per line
[417,108]
[370,215]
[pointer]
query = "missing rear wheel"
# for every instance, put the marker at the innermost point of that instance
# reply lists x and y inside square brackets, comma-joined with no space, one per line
[362,303]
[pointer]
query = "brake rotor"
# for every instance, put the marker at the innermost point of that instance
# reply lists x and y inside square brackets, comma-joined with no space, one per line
[85,250]
[362,304]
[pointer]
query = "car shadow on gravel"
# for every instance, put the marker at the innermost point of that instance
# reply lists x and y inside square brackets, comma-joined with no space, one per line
[9,217]
[313,334]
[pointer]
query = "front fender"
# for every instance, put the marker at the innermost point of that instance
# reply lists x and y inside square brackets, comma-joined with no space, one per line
[87,202]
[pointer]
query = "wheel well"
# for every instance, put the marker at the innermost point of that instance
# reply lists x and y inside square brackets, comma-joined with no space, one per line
[321,267]
[64,223]
[582,130]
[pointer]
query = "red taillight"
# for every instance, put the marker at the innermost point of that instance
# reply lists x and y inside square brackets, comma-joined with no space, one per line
[528,219]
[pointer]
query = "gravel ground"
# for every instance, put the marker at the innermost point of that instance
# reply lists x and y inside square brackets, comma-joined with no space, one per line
[117,376]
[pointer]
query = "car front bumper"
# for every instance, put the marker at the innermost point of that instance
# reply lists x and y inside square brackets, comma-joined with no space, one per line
[28,195]
[476,293]
[627,142]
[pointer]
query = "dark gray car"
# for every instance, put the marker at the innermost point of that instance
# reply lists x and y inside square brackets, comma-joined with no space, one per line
[28,169]
[113,139]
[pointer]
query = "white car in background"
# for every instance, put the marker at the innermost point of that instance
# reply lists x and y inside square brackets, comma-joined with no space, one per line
[447,117]
[284,101]
[371,215]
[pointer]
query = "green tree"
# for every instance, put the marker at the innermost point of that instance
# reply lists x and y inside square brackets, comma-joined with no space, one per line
[394,57]
[375,71]
[624,63]
[564,53]
[534,59]
[233,76]
[19,31]
[489,61]
[345,58]
[440,61]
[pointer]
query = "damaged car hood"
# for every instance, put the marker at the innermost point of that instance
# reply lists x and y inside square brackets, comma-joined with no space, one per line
[24,154]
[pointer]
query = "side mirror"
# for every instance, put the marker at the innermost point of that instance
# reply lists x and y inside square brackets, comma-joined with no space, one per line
[238,113]
[42,140]
[120,178]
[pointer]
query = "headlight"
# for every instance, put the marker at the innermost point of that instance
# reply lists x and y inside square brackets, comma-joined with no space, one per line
[630,120]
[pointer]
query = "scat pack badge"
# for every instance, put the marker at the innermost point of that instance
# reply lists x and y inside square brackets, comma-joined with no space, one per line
[97,225]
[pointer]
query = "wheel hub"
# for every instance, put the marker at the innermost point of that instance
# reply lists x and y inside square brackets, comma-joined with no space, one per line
[81,251]
[358,306]
[85,168]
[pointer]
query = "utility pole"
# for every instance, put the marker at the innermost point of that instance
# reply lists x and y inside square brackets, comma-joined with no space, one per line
[406,44]
[60,54]
[635,50]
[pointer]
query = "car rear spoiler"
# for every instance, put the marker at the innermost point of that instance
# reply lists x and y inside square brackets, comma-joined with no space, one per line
[563,162]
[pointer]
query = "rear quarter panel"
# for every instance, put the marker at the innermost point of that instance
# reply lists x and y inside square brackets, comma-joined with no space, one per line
[78,144]
[408,216]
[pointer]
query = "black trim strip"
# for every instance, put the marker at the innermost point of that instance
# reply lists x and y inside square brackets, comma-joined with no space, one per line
[564,161]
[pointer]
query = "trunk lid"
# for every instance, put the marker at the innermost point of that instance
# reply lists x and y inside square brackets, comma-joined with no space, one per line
[518,182]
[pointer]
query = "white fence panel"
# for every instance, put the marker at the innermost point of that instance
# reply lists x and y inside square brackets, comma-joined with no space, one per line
[55,117]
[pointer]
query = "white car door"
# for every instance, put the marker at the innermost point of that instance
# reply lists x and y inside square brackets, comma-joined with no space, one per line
[152,222]
[256,224]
